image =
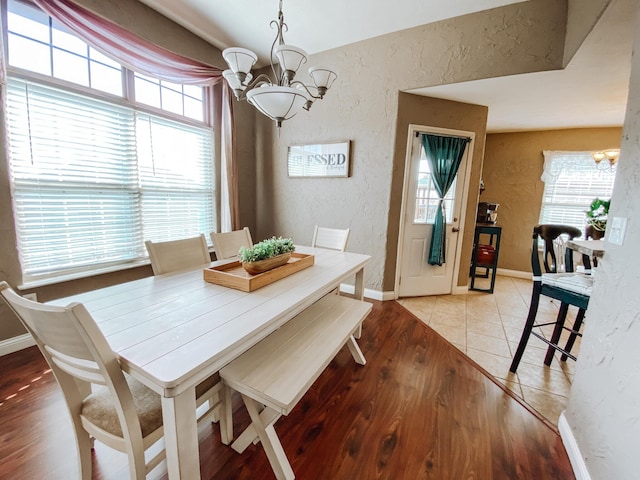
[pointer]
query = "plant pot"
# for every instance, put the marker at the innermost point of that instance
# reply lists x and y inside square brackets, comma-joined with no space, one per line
[485,254]
[261,266]
[594,233]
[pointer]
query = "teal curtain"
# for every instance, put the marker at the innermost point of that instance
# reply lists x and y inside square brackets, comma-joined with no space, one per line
[444,155]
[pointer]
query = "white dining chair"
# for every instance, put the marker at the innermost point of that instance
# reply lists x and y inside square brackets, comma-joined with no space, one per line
[104,403]
[333,238]
[227,244]
[175,255]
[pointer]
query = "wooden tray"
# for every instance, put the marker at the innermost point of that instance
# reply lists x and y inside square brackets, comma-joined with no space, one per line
[232,274]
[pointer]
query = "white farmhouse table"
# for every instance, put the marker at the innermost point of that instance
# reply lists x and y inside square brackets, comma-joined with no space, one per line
[173,331]
[590,250]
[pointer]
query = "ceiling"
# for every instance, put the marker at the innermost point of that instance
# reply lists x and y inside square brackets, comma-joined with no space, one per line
[590,92]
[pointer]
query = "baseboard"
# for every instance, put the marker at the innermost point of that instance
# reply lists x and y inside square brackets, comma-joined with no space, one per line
[368,293]
[14,344]
[573,451]
[514,273]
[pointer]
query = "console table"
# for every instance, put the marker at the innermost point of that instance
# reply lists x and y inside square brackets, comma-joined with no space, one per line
[493,232]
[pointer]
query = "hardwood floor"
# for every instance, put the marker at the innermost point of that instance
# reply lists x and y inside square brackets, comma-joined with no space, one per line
[419,409]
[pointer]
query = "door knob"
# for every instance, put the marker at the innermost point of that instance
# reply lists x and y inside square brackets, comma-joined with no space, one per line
[455,229]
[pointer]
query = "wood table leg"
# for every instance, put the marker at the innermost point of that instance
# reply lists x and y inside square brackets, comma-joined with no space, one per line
[181,436]
[358,294]
[359,286]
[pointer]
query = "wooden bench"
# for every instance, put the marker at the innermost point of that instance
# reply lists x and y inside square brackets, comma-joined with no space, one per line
[276,373]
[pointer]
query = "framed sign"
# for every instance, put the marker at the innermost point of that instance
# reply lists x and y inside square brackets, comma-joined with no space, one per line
[326,160]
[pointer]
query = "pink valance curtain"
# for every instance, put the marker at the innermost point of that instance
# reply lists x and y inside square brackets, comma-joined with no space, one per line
[3,69]
[142,56]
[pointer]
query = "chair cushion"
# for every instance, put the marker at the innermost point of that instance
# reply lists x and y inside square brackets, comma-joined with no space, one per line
[572,281]
[99,408]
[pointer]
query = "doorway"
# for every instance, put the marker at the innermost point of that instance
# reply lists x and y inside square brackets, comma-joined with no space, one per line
[414,276]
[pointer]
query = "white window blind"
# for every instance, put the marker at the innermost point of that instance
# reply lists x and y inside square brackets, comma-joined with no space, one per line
[571,181]
[93,180]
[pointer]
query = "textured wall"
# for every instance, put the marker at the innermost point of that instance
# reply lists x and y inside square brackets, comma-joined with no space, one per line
[604,404]
[581,17]
[363,107]
[513,164]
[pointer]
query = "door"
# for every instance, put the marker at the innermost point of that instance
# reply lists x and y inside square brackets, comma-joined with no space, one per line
[417,277]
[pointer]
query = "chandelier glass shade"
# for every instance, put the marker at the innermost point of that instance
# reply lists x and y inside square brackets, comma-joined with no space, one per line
[610,155]
[284,97]
[278,103]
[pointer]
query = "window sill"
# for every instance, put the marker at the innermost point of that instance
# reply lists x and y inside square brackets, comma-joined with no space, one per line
[79,275]
[85,274]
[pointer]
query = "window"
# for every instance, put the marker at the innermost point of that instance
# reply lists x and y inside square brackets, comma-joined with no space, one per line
[571,181]
[39,44]
[181,99]
[94,172]
[427,197]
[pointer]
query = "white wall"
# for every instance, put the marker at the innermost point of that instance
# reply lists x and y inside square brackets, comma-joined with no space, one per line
[603,411]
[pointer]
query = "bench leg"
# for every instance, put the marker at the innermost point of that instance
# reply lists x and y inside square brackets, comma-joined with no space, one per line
[355,351]
[268,416]
[270,441]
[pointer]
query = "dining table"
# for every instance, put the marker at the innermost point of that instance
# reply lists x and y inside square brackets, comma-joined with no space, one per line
[175,330]
[589,249]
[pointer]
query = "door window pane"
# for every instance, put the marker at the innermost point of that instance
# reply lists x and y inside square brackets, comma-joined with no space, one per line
[427,198]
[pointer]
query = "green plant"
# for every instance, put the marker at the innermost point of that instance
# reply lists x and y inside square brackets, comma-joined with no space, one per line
[268,248]
[597,214]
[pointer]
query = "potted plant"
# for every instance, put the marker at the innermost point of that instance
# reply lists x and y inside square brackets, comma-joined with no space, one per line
[597,218]
[267,254]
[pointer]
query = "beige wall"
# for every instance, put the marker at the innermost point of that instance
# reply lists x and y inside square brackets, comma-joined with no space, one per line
[513,165]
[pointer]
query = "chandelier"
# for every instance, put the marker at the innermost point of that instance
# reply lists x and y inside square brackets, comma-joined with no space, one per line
[612,159]
[283,98]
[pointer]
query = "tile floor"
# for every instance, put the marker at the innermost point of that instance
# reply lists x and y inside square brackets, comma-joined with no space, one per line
[487,328]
